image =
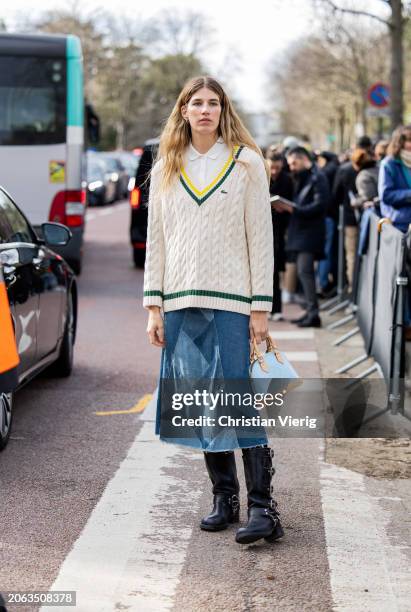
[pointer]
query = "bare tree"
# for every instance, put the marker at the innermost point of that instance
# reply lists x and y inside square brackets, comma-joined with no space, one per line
[399,13]
[182,32]
[321,81]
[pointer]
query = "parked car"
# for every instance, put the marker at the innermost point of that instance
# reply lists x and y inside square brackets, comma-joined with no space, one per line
[42,293]
[130,161]
[139,202]
[100,188]
[118,173]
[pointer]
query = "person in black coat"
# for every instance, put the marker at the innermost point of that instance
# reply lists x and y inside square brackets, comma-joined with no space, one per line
[306,228]
[328,163]
[281,184]
[344,190]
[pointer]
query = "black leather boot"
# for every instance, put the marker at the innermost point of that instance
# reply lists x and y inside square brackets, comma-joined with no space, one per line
[263,516]
[223,475]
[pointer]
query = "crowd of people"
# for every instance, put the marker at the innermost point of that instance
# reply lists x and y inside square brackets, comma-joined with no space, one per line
[307,188]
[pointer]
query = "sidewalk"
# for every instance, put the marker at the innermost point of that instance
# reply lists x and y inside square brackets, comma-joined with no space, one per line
[374,479]
[345,507]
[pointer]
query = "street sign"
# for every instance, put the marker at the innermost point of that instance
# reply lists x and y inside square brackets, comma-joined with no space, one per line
[372,111]
[379,95]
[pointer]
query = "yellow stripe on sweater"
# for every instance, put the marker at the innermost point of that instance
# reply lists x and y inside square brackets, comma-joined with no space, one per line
[211,185]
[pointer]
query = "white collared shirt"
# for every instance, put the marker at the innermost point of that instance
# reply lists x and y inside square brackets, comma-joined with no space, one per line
[202,168]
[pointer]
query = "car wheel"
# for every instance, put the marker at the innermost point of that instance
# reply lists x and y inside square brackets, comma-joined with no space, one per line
[63,366]
[6,418]
[139,256]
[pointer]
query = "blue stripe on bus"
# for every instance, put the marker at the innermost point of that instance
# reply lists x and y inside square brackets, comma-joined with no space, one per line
[75,95]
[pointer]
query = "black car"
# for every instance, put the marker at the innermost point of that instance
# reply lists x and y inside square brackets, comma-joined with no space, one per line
[130,162]
[100,188]
[139,202]
[118,173]
[42,293]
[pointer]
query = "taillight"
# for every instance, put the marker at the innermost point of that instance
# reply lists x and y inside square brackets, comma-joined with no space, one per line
[68,207]
[135,197]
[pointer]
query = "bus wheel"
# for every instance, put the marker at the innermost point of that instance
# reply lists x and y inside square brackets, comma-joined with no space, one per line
[6,418]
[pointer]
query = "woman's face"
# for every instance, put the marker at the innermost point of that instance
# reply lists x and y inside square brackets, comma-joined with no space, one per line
[203,111]
[275,168]
[407,142]
[321,161]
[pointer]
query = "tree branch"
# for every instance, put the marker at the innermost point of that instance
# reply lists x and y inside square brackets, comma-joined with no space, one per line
[340,9]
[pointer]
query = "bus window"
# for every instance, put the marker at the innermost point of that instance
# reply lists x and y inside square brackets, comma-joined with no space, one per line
[32,100]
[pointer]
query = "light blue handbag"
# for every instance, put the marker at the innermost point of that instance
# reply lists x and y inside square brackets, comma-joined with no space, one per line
[271,372]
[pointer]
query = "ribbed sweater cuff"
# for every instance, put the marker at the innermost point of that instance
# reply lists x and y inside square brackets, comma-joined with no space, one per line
[152,300]
[262,305]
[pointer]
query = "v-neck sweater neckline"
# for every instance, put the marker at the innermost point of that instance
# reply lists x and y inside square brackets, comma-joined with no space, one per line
[201,195]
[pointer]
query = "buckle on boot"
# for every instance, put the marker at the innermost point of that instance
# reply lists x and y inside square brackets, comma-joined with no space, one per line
[234,503]
[272,512]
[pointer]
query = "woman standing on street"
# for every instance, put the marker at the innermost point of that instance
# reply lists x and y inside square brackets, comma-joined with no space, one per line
[209,266]
[367,179]
[281,184]
[394,183]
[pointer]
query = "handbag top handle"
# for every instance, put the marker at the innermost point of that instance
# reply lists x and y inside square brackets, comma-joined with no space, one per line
[256,355]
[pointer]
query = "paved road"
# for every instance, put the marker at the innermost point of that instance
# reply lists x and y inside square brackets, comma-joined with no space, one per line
[92,502]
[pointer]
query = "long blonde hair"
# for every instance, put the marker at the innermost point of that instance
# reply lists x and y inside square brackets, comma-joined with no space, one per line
[176,135]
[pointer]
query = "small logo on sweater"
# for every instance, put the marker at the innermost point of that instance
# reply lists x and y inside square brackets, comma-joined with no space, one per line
[222,191]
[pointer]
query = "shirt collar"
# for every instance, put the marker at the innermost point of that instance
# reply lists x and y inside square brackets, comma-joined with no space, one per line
[212,153]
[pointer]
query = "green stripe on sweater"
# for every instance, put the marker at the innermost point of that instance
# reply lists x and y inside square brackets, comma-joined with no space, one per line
[206,293]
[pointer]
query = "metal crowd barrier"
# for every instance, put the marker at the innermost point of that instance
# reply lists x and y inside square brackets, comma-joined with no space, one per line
[378,304]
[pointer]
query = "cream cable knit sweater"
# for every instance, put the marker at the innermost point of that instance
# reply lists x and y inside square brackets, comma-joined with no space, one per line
[211,249]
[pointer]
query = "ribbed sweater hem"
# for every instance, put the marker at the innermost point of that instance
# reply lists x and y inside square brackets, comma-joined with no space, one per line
[204,301]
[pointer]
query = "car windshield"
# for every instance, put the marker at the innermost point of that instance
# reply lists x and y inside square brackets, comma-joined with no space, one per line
[94,171]
[110,163]
[130,162]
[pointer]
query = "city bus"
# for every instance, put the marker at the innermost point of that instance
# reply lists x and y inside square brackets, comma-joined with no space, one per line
[42,131]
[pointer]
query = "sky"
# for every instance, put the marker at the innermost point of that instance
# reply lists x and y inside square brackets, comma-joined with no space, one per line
[253,32]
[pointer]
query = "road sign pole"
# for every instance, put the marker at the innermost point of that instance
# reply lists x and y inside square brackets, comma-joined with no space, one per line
[380,130]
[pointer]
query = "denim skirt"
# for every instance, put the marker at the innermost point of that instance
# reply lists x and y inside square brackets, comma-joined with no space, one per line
[205,344]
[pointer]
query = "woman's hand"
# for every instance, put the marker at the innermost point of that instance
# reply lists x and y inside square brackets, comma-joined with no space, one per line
[258,325]
[155,327]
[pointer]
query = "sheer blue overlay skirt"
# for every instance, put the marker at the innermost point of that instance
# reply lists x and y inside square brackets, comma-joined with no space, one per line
[204,343]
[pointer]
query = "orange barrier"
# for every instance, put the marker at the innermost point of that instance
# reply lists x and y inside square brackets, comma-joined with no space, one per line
[9,357]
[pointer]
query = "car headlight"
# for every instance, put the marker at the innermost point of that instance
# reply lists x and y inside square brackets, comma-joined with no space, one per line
[95,185]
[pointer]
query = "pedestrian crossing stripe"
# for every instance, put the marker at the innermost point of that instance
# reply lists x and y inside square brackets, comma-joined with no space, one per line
[200,196]
[139,407]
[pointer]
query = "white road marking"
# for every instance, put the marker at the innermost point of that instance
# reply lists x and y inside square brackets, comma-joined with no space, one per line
[107,211]
[301,355]
[123,205]
[289,334]
[366,571]
[130,554]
